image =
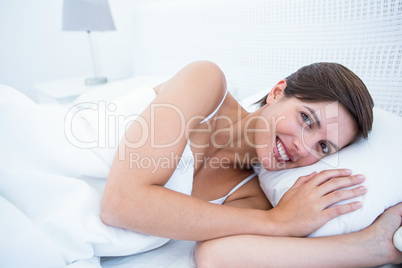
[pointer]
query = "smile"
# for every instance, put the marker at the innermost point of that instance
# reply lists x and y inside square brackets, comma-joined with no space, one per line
[281,150]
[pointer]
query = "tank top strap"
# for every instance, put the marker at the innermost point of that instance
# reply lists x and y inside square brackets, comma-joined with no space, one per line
[221,200]
[216,110]
[241,184]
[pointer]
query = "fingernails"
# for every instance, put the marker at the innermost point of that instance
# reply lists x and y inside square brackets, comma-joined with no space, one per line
[362,188]
[360,177]
[348,171]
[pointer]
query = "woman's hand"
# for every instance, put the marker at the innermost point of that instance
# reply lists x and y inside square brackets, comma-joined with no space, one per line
[380,235]
[307,205]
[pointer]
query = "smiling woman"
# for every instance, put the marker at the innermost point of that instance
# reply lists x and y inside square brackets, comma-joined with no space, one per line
[332,82]
[318,110]
[173,183]
[303,132]
[308,110]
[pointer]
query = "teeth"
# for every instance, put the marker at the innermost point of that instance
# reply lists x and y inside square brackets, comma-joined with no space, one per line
[282,151]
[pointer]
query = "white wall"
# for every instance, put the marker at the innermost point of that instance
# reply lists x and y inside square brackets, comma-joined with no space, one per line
[33,48]
[259,42]
[256,42]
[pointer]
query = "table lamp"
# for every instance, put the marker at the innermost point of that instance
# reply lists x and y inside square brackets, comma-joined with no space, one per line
[88,15]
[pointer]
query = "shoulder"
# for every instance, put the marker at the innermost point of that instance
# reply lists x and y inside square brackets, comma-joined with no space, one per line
[200,83]
[205,71]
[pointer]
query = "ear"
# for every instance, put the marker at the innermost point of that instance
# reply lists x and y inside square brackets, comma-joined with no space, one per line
[277,91]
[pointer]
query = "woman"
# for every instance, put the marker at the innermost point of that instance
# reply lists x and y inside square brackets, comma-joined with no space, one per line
[194,118]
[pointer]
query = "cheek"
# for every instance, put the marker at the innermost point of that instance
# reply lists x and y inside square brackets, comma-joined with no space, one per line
[263,134]
[264,154]
[289,126]
[309,160]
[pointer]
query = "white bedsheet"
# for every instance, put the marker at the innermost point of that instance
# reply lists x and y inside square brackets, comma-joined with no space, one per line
[174,254]
[50,194]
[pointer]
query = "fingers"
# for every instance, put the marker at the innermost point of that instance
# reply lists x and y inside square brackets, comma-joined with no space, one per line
[302,180]
[340,195]
[326,175]
[339,210]
[313,197]
[333,191]
[334,184]
[331,184]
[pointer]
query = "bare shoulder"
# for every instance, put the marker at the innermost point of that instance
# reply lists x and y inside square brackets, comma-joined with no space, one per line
[199,71]
[200,85]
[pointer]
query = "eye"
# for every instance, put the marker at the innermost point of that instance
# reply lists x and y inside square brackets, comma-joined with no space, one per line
[324,148]
[306,119]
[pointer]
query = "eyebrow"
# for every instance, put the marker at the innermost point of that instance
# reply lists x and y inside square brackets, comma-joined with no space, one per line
[319,126]
[314,115]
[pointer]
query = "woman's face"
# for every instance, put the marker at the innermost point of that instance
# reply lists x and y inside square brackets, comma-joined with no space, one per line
[293,133]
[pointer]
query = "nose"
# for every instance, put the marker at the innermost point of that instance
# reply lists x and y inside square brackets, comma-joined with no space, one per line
[301,148]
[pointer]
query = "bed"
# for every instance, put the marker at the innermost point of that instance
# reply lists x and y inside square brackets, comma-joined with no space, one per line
[51,202]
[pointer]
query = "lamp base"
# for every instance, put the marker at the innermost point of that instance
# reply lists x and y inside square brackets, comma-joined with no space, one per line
[93,81]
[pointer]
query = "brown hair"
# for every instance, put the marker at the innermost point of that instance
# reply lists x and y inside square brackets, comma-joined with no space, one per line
[332,82]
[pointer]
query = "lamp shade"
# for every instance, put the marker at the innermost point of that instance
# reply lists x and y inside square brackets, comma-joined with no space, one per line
[87,15]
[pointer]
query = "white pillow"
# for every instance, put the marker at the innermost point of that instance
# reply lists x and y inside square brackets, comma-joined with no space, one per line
[378,158]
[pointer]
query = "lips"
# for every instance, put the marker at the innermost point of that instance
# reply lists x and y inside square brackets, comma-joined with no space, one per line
[281,152]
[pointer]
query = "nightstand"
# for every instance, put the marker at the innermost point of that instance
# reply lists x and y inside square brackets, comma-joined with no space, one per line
[61,91]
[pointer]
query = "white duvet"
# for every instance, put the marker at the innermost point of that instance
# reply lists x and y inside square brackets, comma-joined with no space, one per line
[50,192]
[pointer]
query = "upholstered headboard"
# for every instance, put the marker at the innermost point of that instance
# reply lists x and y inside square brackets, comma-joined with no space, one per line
[259,42]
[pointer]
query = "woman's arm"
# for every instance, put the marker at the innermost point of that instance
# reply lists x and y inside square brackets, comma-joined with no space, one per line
[135,199]
[369,247]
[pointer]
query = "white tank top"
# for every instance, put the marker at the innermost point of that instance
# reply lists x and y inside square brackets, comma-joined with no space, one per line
[216,110]
[221,200]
